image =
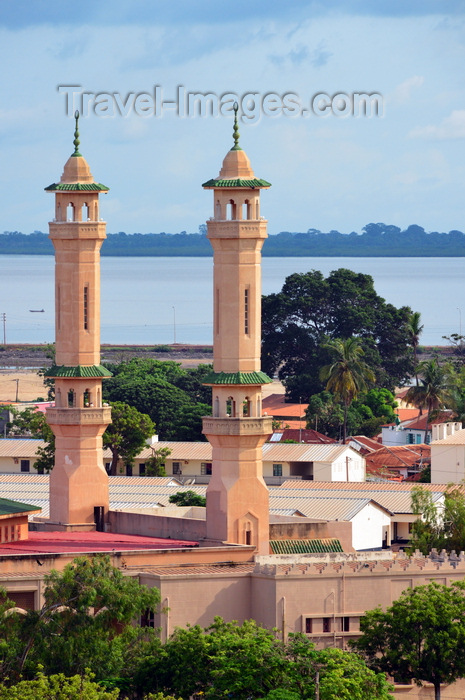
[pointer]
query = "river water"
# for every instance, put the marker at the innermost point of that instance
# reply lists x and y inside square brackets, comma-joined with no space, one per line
[150,301]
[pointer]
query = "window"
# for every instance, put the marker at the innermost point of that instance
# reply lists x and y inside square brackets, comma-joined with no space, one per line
[128,469]
[410,438]
[86,308]
[308,625]
[326,624]
[246,312]
[206,468]
[277,469]
[419,439]
[71,398]
[177,468]
[25,465]
[148,618]
[142,469]
[345,624]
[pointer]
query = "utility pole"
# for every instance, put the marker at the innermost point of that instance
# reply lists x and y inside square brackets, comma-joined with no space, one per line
[17,389]
[4,327]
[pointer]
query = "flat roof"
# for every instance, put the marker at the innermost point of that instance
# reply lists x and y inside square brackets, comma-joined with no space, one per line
[85,542]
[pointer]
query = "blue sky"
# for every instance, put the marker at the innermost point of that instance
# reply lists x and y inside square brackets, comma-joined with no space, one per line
[328,172]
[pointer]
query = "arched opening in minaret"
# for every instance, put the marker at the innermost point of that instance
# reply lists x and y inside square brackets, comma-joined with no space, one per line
[230,407]
[216,408]
[248,533]
[85,212]
[87,398]
[58,212]
[246,210]
[231,210]
[58,398]
[71,398]
[246,407]
[70,213]
[217,209]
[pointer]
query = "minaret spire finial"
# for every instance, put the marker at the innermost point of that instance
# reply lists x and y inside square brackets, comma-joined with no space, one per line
[76,135]
[236,134]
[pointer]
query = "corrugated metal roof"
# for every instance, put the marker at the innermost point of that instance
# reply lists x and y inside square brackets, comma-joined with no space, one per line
[279,452]
[337,508]
[24,448]
[393,501]
[359,485]
[305,546]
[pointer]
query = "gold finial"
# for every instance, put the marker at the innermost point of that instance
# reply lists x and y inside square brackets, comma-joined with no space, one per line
[76,135]
[236,134]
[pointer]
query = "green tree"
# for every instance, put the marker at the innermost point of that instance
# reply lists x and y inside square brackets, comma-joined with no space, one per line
[348,375]
[86,622]
[127,433]
[421,637]
[30,422]
[155,465]
[311,309]
[155,388]
[58,687]
[434,390]
[414,329]
[188,498]
[438,526]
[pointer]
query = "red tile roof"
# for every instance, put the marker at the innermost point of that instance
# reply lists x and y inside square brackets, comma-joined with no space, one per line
[399,456]
[275,405]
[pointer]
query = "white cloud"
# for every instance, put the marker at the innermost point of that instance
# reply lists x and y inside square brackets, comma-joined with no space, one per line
[451,128]
[403,92]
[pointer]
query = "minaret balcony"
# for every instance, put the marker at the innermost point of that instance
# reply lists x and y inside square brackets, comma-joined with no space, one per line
[237,426]
[79,416]
[237,228]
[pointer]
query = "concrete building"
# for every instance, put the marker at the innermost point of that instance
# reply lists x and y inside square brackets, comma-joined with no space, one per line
[448,455]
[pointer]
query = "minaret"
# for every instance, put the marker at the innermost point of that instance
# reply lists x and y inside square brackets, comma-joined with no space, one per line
[78,481]
[237,496]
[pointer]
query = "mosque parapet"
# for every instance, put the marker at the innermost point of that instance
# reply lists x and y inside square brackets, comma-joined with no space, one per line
[81,416]
[238,426]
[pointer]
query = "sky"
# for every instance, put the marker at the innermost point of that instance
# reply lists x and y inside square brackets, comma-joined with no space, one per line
[331,168]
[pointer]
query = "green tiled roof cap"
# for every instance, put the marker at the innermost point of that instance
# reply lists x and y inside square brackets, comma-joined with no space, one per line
[237,182]
[78,371]
[237,378]
[305,546]
[8,507]
[77,187]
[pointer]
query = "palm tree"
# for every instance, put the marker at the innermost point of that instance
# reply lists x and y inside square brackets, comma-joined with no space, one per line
[348,375]
[414,330]
[434,390]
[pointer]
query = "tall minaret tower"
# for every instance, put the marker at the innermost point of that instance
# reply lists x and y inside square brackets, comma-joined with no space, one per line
[78,482]
[237,496]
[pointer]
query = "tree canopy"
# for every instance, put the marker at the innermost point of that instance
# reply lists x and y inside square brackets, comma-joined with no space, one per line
[86,622]
[174,398]
[127,433]
[188,498]
[438,526]
[421,637]
[311,310]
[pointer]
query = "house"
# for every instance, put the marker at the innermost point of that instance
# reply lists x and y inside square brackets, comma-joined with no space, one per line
[447,456]
[288,415]
[399,461]
[14,520]
[192,461]
[414,431]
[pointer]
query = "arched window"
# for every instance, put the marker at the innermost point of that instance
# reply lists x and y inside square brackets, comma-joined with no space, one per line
[246,407]
[70,214]
[231,210]
[85,212]
[217,407]
[71,398]
[230,407]
[86,398]
[217,209]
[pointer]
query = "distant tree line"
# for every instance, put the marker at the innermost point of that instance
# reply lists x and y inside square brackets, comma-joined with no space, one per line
[382,240]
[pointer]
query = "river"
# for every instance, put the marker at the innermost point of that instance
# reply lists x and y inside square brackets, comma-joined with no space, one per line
[151,301]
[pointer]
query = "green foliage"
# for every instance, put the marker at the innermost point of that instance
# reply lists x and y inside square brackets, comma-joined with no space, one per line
[32,423]
[311,310]
[85,623]
[440,527]
[228,660]
[127,433]
[155,465]
[435,388]
[421,637]
[58,687]
[171,396]
[188,498]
